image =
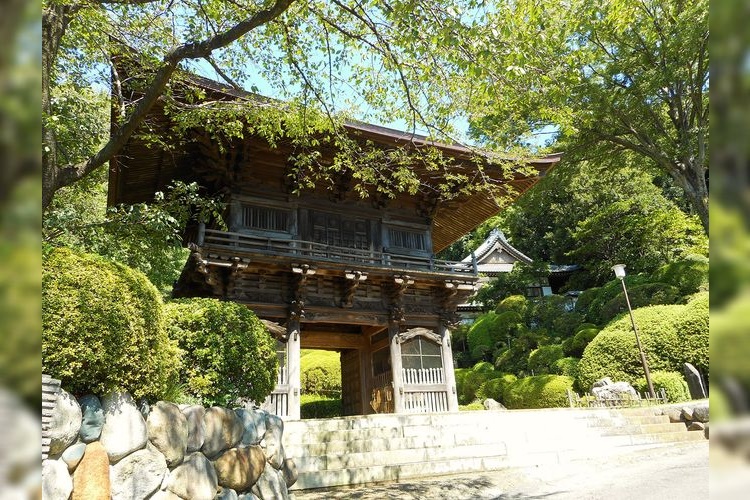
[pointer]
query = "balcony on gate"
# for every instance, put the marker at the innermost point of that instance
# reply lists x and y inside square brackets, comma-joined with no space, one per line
[252,246]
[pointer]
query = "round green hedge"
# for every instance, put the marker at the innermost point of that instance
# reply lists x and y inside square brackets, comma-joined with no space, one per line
[689,275]
[541,391]
[494,388]
[613,352]
[575,345]
[566,366]
[469,380]
[514,303]
[673,383]
[692,327]
[227,352]
[103,327]
[542,359]
[606,293]
[320,372]
[490,329]
[647,294]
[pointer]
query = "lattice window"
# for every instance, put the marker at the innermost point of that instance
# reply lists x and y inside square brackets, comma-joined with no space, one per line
[411,240]
[420,353]
[265,218]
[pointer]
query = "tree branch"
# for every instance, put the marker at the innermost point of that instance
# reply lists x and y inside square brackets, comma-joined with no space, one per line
[69,174]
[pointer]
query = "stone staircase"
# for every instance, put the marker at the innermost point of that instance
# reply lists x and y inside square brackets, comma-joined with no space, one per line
[377,448]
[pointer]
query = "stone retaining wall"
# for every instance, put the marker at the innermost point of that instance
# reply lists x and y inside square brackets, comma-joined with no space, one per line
[110,448]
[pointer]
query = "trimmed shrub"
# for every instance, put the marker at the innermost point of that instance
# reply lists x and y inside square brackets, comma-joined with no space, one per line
[613,352]
[672,382]
[490,329]
[649,294]
[495,387]
[566,366]
[585,326]
[227,352]
[317,406]
[468,381]
[541,391]
[689,275]
[542,359]
[320,372]
[473,406]
[566,324]
[585,299]
[515,303]
[692,327]
[606,293]
[103,327]
[575,345]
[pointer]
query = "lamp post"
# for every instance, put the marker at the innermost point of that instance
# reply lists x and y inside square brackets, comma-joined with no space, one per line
[619,270]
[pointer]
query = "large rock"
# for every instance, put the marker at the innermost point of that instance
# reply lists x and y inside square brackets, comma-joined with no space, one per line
[226,494]
[254,423]
[91,478]
[138,475]
[271,485]
[168,431]
[65,423]
[271,441]
[491,404]
[697,426]
[194,479]
[674,414]
[240,468]
[602,382]
[700,413]
[223,430]
[73,455]
[196,428]
[56,482]
[695,382]
[165,495]
[289,472]
[93,418]
[124,429]
[615,391]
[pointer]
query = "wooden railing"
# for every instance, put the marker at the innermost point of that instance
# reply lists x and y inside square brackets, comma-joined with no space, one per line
[278,401]
[425,402]
[413,376]
[240,243]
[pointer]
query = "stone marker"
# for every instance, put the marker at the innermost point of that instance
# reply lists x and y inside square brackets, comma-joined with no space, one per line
[694,382]
[91,478]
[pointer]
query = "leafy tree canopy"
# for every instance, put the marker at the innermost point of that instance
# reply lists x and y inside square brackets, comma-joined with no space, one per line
[609,76]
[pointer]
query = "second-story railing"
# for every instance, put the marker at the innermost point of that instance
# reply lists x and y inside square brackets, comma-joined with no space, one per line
[287,247]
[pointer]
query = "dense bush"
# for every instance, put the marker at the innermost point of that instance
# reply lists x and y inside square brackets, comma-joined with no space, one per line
[542,359]
[583,304]
[317,406]
[494,388]
[613,352]
[692,327]
[541,391]
[647,294]
[566,366]
[515,303]
[608,292]
[515,359]
[103,327]
[566,324]
[491,328]
[689,275]
[575,345]
[320,372]
[469,380]
[672,382]
[227,351]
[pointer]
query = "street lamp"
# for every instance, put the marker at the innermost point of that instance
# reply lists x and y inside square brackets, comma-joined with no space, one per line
[619,270]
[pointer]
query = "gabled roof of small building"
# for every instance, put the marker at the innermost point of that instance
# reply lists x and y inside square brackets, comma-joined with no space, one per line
[496,255]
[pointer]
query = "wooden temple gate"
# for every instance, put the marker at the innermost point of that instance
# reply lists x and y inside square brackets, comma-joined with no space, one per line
[328,267]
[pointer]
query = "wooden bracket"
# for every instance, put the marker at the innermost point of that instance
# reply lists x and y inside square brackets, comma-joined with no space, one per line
[353,279]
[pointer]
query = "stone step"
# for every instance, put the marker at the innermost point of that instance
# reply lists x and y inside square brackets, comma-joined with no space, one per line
[619,421]
[396,472]
[388,444]
[405,456]
[643,429]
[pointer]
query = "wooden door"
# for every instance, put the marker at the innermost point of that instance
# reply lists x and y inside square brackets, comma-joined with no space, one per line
[351,383]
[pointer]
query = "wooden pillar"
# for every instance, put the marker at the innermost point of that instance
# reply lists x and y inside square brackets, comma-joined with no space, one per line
[450,376]
[365,377]
[398,384]
[293,365]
